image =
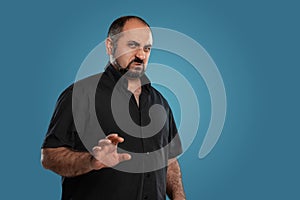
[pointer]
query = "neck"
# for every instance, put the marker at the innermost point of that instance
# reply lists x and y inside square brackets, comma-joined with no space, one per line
[118,67]
[134,85]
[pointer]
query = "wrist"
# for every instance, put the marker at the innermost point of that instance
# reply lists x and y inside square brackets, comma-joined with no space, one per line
[94,164]
[91,162]
[178,196]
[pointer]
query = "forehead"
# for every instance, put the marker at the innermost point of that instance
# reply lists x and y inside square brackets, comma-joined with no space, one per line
[137,31]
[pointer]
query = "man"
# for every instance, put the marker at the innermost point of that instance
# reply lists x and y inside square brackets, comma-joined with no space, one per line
[120,165]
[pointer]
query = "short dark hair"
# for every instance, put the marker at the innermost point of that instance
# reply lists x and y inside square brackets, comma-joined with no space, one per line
[117,26]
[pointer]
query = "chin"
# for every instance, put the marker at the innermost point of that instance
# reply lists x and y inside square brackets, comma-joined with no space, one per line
[134,74]
[137,67]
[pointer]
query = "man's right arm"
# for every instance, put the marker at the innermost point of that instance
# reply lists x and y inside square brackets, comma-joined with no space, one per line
[67,162]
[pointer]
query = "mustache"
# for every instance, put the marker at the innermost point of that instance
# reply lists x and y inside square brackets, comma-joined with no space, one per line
[137,60]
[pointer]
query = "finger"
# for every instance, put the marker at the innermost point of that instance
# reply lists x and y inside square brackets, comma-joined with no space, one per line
[96,149]
[115,139]
[112,135]
[124,157]
[103,142]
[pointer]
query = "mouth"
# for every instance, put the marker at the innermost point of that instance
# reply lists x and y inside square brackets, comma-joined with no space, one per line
[135,69]
[137,66]
[137,63]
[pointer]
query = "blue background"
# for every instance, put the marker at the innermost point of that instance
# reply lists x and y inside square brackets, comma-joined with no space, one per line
[255,45]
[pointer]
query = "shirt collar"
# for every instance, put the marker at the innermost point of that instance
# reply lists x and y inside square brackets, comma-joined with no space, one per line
[115,75]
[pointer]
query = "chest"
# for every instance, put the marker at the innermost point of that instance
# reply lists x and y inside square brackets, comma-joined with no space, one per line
[143,128]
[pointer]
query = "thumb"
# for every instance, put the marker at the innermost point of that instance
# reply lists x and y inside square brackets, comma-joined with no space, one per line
[124,156]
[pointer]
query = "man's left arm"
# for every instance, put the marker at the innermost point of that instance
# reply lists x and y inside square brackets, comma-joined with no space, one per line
[175,189]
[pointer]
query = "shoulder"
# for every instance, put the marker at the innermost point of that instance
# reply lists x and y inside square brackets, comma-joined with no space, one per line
[87,83]
[81,86]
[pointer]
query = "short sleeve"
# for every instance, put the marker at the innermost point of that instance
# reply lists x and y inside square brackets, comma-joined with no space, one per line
[61,131]
[175,147]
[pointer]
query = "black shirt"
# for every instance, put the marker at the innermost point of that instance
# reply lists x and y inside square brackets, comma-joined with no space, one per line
[72,126]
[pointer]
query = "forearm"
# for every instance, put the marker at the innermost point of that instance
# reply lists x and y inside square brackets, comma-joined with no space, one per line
[66,162]
[175,189]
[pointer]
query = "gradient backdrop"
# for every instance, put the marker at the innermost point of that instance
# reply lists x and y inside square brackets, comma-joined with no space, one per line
[255,45]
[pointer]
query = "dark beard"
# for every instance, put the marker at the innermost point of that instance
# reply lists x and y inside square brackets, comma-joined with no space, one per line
[133,74]
[128,73]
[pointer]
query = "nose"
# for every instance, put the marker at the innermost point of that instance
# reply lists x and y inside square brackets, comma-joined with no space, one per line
[141,54]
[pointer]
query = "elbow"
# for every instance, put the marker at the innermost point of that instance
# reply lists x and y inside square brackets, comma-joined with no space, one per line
[44,159]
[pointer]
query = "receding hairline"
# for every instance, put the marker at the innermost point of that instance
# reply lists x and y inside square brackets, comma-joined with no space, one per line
[143,25]
[117,26]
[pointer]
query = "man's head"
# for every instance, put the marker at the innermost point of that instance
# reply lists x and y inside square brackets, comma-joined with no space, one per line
[128,44]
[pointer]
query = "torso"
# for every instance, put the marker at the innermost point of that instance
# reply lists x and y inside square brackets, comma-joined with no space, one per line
[134,86]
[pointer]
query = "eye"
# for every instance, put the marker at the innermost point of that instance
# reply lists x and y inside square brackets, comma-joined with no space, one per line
[132,44]
[147,49]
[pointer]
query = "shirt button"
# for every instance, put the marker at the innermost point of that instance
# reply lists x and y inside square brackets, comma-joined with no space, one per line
[148,175]
[147,153]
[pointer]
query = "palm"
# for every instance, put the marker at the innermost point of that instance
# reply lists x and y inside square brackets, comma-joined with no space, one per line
[108,155]
[106,151]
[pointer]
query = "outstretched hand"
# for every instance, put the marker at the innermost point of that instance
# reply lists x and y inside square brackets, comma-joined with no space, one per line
[106,155]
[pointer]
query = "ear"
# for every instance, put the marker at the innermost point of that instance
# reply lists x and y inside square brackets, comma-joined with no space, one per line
[109,46]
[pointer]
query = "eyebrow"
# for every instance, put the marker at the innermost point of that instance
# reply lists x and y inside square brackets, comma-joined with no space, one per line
[148,46]
[138,44]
